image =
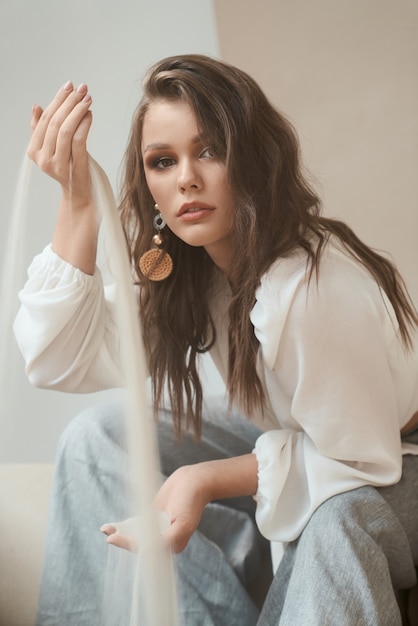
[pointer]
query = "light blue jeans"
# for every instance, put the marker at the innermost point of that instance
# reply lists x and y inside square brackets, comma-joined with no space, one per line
[342,570]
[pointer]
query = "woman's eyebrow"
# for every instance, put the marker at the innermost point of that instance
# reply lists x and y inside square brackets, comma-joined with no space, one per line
[166,146]
[157,146]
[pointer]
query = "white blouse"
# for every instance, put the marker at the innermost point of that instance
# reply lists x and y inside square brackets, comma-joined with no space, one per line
[339,383]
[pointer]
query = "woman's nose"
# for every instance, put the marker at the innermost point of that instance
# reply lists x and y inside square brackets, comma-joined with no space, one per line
[189,177]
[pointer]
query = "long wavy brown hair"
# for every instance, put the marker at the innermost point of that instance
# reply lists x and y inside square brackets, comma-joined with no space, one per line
[276,211]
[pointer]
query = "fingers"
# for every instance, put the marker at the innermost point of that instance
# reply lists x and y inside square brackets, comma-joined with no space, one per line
[125,534]
[58,127]
[50,120]
[79,153]
[61,129]
[36,114]
[108,529]
[123,541]
[121,534]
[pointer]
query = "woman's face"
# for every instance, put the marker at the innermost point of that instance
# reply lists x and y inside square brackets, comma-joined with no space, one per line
[186,179]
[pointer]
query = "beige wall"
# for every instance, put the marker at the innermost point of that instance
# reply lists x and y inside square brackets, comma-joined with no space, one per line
[346,73]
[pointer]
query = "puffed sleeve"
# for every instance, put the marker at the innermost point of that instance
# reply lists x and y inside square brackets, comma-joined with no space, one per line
[65,328]
[326,348]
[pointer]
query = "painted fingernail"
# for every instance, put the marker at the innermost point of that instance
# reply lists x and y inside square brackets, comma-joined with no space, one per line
[87,98]
[68,86]
[82,88]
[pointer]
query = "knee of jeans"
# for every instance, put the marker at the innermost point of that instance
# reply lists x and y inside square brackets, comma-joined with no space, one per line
[97,427]
[351,509]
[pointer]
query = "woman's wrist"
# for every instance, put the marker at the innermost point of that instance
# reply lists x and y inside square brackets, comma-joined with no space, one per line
[76,235]
[225,478]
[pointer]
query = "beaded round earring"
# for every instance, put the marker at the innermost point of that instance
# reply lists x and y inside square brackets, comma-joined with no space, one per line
[156,264]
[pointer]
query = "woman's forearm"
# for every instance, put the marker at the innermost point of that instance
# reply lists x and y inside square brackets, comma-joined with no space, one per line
[228,478]
[76,233]
[184,495]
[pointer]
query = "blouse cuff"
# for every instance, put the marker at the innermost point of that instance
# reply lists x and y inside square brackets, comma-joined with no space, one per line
[49,271]
[273,451]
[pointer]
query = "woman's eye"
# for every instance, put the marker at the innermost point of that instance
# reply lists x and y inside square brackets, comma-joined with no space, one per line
[162,163]
[208,153]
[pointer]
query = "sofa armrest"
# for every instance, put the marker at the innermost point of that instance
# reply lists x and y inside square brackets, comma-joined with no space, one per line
[24,497]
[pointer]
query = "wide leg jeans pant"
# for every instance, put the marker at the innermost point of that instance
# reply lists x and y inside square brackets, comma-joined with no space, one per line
[341,571]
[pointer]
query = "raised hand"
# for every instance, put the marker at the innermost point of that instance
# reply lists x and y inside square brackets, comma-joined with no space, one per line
[58,143]
[59,147]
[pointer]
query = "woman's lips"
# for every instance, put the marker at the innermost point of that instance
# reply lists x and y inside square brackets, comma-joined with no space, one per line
[194,211]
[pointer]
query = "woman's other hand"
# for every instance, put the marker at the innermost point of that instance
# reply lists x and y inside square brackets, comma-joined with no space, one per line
[179,503]
[184,495]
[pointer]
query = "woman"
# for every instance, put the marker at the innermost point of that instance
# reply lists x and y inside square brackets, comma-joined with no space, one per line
[312,331]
